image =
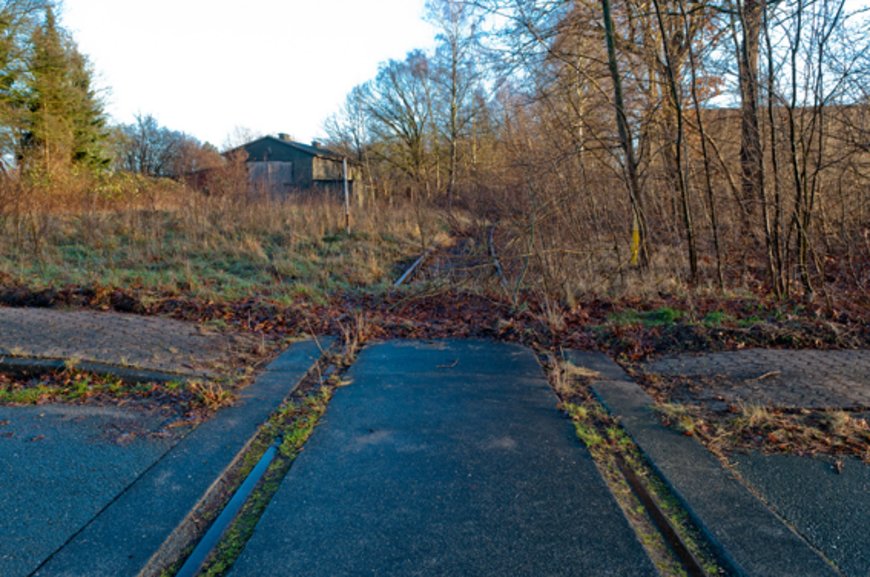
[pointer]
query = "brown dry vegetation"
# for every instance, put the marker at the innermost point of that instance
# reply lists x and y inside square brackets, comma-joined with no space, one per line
[632,151]
[162,237]
[772,430]
[560,226]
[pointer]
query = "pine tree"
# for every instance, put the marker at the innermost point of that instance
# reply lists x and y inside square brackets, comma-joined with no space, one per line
[88,120]
[17,22]
[7,81]
[65,124]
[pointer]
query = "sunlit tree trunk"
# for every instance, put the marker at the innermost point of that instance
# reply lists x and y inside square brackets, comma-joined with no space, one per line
[639,239]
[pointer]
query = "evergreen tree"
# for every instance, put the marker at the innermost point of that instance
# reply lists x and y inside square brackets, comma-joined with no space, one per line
[89,121]
[7,81]
[18,19]
[65,125]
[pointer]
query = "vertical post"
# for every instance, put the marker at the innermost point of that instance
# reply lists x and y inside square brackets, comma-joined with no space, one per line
[346,196]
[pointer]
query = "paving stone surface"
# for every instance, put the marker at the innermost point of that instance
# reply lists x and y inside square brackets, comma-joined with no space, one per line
[783,378]
[118,339]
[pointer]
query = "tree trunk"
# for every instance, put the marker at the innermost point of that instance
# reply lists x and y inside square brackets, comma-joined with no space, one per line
[752,16]
[639,240]
[675,153]
[751,157]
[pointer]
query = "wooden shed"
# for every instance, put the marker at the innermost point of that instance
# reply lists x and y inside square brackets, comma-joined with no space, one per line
[282,166]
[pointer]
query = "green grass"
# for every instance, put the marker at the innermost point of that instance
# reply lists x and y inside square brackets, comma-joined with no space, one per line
[750,321]
[659,317]
[66,386]
[217,273]
[586,430]
[24,396]
[74,386]
[715,319]
[667,316]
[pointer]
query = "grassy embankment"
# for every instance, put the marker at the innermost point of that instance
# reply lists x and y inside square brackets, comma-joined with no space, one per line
[168,239]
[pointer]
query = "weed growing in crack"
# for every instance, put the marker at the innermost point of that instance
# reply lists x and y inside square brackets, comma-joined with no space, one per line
[569,380]
[584,425]
[299,423]
[211,395]
[678,417]
[355,331]
[612,449]
[192,399]
[768,429]
[293,423]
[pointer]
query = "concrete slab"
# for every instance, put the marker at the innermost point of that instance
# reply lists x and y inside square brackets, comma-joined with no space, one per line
[832,510]
[444,458]
[123,538]
[748,536]
[60,466]
[152,343]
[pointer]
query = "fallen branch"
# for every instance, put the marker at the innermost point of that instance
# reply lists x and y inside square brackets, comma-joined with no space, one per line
[767,375]
[413,268]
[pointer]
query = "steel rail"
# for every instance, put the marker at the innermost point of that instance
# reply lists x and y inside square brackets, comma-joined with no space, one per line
[412,269]
[211,538]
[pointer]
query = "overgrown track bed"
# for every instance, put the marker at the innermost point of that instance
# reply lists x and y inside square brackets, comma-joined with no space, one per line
[669,537]
[285,433]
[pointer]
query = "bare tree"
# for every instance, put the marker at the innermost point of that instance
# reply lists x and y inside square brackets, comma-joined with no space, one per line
[148,148]
[455,77]
[740,138]
[399,106]
[639,236]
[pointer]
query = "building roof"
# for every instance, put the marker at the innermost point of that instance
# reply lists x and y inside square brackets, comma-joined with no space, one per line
[305,148]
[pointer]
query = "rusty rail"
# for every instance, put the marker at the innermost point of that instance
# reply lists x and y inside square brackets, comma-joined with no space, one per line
[413,268]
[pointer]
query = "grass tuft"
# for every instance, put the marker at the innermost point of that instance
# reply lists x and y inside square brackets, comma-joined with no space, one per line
[664,316]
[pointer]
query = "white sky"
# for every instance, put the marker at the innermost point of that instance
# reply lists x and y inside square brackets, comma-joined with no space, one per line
[205,67]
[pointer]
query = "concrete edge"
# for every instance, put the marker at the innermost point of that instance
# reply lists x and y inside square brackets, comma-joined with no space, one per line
[35,366]
[192,527]
[747,536]
[156,515]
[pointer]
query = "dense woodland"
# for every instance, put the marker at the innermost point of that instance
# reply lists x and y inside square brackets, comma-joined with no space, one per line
[718,143]
[585,146]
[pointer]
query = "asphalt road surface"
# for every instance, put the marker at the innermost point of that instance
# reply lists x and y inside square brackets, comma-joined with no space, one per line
[445,458]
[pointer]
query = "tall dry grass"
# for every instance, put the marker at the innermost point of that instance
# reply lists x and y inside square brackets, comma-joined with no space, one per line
[162,235]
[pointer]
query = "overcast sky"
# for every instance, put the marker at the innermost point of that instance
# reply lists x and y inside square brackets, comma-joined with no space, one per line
[206,67]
